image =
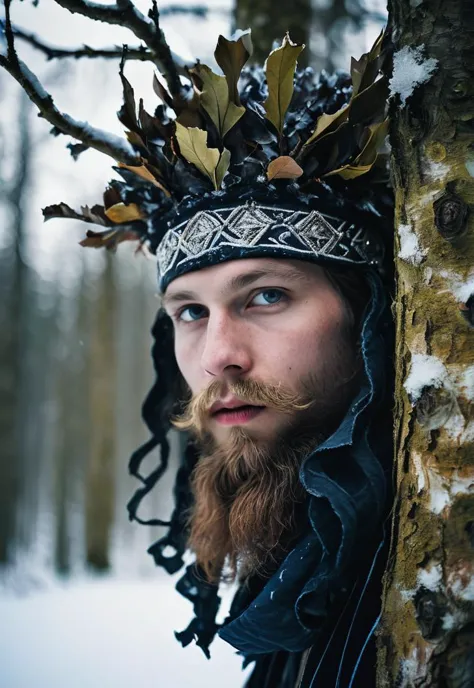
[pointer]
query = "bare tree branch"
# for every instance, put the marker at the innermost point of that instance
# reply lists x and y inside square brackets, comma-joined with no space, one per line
[51,52]
[110,144]
[124,13]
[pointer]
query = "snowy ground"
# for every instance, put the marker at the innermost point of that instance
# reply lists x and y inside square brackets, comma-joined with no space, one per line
[106,633]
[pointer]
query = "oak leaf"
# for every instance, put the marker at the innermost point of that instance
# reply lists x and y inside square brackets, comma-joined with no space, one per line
[209,161]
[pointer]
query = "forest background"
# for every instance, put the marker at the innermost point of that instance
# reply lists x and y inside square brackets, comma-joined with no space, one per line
[78,593]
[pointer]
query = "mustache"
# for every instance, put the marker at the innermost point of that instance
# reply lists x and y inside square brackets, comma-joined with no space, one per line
[195,414]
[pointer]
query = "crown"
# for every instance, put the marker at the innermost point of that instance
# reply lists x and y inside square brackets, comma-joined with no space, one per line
[276,135]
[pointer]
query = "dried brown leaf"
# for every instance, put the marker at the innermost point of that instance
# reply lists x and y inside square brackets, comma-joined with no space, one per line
[144,172]
[284,167]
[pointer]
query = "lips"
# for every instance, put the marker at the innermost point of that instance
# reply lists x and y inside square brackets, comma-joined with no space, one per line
[234,411]
[229,405]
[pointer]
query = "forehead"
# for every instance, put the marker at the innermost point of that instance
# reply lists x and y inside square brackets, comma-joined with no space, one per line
[235,274]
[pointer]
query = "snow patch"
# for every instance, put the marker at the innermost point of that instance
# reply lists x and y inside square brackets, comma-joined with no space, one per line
[454,426]
[439,495]
[407,595]
[428,274]
[453,620]
[409,667]
[425,371]
[461,484]
[436,170]
[461,288]
[467,434]
[431,578]
[444,490]
[410,250]
[419,472]
[34,81]
[107,633]
[101,136]
[449,622]
[464,591]
[467,383]
[410,70]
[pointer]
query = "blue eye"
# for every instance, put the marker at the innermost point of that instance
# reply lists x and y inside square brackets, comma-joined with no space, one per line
[268,297]
[191,313]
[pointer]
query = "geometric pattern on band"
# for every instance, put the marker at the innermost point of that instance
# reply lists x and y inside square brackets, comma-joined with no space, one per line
[298,232]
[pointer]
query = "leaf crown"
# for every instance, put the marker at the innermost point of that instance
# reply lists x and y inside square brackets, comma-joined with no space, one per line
[271,133]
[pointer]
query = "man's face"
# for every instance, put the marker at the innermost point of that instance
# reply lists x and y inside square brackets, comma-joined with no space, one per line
[277,322]
[256,340]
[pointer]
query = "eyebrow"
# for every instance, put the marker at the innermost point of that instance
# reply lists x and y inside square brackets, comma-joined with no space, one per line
[239,282]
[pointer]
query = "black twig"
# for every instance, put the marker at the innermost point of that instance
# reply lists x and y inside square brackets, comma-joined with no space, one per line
[52,53]
[124,13]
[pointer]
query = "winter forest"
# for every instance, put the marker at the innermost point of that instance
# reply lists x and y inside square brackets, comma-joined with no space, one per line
[81,602]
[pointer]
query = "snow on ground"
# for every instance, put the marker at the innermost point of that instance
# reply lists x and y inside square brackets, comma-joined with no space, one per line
[106,633]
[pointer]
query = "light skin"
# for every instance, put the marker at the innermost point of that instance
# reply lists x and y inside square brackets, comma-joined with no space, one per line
[270,320]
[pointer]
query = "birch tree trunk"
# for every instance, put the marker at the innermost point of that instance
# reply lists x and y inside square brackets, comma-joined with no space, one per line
[427,632]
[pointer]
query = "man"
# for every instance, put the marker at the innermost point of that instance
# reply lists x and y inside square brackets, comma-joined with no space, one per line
[270,215]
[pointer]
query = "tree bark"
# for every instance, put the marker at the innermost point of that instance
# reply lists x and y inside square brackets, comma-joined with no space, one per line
[426,636]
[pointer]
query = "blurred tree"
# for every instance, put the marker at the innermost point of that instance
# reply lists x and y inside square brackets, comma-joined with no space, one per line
[271,20]
[427,632]
[101,373]
[14,280]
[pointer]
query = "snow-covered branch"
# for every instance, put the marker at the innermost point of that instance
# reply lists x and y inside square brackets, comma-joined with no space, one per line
[119,149]
[124,13]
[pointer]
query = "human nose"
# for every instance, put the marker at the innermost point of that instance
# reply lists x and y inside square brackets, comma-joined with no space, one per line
[226,350]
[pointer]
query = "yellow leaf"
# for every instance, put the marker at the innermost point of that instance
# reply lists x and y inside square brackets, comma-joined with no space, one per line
[193,146]
[328,123]
[350,171]
[215,99]
[280,70]
[120,213]
[378,132]
[145,173]
[364,162]
[284,167]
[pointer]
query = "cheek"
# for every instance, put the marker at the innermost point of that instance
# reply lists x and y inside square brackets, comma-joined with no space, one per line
[310,342]
[187,359]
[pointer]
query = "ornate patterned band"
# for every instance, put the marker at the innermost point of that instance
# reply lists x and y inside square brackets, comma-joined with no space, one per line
[254,230]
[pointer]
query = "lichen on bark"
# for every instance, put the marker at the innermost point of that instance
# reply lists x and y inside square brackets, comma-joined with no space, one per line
[426,637]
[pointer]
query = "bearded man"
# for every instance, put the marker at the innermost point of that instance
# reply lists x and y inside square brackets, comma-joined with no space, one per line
[271,351]
[270,214]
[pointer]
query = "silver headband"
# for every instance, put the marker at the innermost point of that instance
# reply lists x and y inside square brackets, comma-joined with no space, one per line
[212,236]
